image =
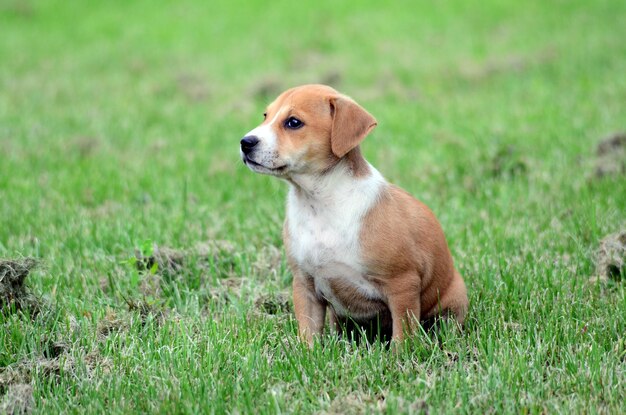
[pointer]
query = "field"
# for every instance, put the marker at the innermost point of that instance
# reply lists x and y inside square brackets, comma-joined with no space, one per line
[158,283]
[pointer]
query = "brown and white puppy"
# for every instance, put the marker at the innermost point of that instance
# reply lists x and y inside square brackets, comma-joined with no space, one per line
[355,243]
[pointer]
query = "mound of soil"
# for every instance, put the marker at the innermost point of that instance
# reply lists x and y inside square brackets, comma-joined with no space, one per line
[14,294]
[611,258]
[507,162]
[273,303]
[611,156]
[170,261]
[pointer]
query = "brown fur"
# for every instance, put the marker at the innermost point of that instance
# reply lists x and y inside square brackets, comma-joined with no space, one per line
[402,243]
[351,124]
[358,165]
[308,107]
[334,126]
[409,258]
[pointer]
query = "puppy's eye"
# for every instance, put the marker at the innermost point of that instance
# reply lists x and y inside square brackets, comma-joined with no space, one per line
[265,115]
[293,123]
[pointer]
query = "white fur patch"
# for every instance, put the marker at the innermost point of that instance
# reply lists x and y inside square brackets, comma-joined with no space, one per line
[324,225]
[266,152]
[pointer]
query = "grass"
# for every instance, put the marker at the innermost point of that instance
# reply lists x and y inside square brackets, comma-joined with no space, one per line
[119,131]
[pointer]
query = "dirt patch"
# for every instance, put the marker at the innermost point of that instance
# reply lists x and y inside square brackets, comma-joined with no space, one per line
[193,87]
[55,348]
[506,162]
[620,349]
[24,371]
[14,294]
[85,146]
[59,357]
[356,403]
[170,261]
[514,63]
[151,285]
[218,254]
[332,78]
[142,310]
[209,267]
[161,259]
[17,400]
[392,84]
[18,8]
[273,304]
[224,293]
[364,403]
[611,156]
[147,310]
[268,259]
[310,59]
[266,90]
[611,258]
[110,324]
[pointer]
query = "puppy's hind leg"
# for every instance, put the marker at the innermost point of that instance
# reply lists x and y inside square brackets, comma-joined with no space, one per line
[404,305]
[455,301]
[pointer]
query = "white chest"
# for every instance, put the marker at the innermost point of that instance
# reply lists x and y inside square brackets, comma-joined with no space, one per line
[324,238]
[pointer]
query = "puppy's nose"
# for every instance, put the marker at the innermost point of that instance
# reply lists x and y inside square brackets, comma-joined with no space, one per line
[248,143]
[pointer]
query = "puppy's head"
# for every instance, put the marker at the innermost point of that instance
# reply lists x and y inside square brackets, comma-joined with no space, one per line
[306,130]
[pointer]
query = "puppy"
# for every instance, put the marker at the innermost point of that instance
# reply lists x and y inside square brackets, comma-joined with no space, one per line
[356,245]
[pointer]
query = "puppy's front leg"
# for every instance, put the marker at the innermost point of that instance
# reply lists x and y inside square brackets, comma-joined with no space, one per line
[404,305]
[310,310]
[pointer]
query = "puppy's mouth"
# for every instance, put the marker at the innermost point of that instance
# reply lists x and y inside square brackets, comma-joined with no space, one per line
[260,168]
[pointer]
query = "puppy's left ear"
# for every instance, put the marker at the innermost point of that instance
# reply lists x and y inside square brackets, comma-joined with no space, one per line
[351,124]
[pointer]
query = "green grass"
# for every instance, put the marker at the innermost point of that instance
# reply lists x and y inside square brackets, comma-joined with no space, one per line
[120,124]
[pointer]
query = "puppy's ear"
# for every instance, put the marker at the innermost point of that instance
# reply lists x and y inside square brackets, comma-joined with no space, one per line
[351,124]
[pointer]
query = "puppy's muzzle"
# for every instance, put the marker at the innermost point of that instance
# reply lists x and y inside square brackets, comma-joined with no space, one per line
[248,143]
